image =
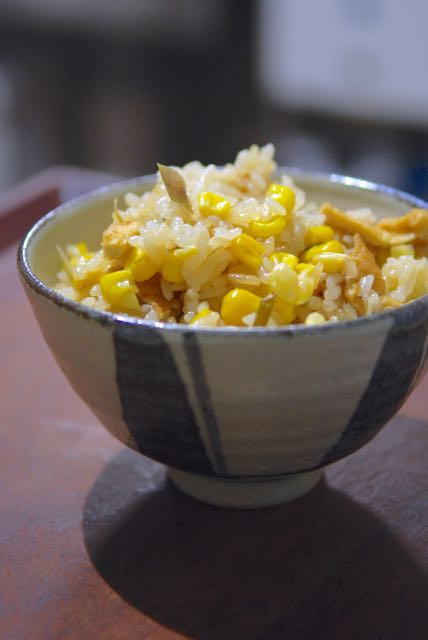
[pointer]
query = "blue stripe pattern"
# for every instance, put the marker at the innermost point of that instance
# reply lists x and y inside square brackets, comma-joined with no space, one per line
[154,401]
[389,386]
[202,392]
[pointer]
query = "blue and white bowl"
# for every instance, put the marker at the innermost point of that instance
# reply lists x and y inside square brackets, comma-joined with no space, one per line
[242,417]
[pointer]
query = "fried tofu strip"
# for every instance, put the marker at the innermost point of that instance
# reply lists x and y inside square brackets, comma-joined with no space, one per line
[369,232]
[115,239]
[150,292]
[416,222]
[366,263]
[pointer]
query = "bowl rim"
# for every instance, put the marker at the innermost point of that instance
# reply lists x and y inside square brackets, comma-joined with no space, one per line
[404,314]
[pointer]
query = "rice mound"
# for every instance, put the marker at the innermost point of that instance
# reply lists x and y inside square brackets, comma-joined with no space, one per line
[199,252]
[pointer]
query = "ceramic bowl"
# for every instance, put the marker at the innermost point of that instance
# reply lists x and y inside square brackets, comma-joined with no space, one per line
[241,417]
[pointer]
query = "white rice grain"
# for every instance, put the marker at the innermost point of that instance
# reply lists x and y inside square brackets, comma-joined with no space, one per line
[365,284]
[249,319]
[332,293]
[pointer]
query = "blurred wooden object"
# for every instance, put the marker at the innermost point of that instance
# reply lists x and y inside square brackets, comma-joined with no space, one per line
[22,205]
[96,544]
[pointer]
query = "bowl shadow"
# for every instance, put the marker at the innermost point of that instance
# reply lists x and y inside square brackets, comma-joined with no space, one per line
[320,567]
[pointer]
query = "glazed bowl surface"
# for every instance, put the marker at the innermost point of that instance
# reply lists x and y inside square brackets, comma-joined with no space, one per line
[242,417]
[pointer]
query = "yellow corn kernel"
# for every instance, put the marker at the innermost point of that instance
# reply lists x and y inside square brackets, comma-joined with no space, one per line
[304,267]
[319,234]
[86,279]
[236,304]
[212,204]
[140,265]
[310,271]
[82,252]
[284,311]
[267,228]
[315,318]
[331,262]
[282,194]
[82,248]
[305,289]
[172,269]
[402,250]
[283,256]
[284,282]
[248,251]
[200,315]
[118,289]
[332,246]
[79,275]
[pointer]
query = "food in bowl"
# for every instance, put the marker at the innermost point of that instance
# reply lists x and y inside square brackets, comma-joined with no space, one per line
[241,417]
[233,246]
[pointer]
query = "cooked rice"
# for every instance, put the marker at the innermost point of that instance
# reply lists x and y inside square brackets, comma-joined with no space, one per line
[368,280]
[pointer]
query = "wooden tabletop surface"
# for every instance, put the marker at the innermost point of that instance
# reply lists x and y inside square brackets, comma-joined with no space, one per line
[96,544]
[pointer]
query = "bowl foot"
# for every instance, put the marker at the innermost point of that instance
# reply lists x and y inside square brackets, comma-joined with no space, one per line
[248,493]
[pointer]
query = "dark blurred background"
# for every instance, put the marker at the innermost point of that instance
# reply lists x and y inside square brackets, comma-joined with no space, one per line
[337,85]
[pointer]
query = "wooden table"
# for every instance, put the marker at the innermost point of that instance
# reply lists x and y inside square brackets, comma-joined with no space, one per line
[95,544]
